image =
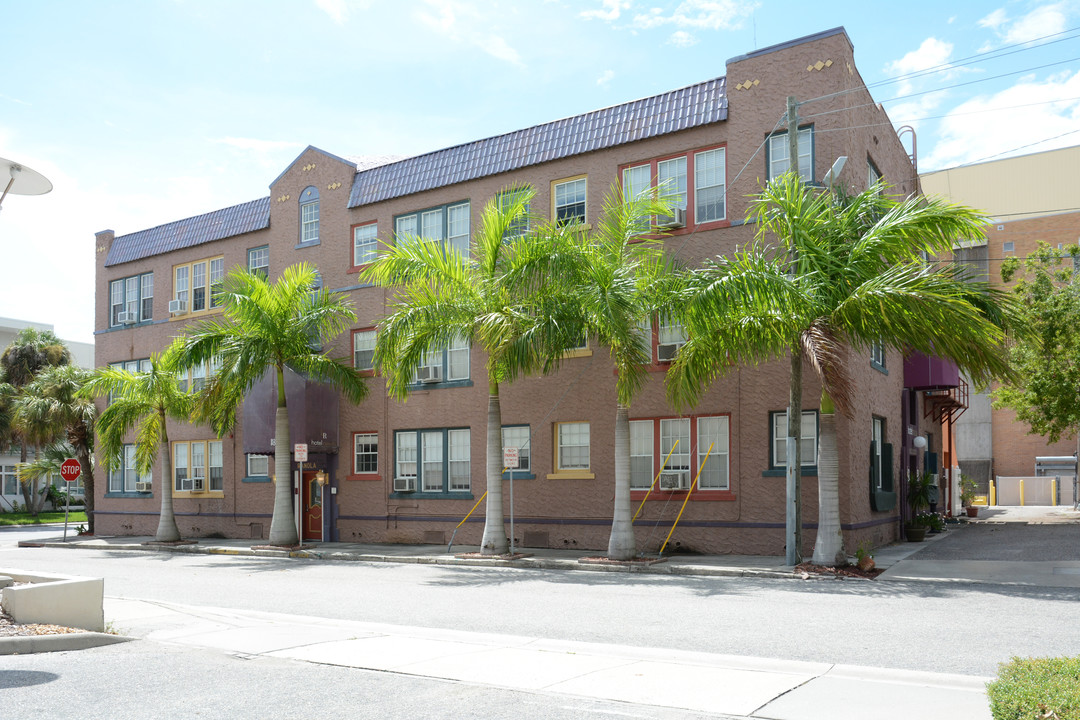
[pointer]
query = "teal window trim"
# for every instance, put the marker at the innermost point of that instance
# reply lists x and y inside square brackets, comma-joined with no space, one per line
[783,133]
[255,479]
[254,254]
[519,474]
[808,469]
[444,211]
[309,199]
[139,495]
[420,493]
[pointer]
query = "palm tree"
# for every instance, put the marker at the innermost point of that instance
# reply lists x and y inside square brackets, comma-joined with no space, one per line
[843,273]
[493,301]
[55,399]
[28,354]
[269,326]
[615,279]
[143,402]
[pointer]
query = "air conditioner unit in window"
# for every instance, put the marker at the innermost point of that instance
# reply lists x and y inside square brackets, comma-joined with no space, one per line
[665,353]
[405,484]
[143,486]
[675,480]
[429,373]
[177,306]
[127,317]
[198,484]
[676,220]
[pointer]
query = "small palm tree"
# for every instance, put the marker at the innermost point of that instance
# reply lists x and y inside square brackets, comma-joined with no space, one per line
[493,301]
[828,274]
[143,402]
[56,399]
[269,327]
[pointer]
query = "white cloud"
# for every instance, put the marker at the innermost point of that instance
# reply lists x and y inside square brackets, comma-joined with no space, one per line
[605,77]
[461,22]
[1011,120]
[611,10]
[932,53]
[1040,22]
[338,10]
[994,20]
[681,38]
[699,14]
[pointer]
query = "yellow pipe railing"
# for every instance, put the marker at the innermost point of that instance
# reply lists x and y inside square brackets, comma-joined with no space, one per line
[654,481]
[691,490]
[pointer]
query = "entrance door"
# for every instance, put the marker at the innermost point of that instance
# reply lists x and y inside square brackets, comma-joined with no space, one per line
[313,510]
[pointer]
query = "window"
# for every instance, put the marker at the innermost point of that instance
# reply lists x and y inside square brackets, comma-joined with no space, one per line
[123,479]
[684,447]
[439,460]
[1008,246]
[447,224]
[701,202]
[132,366]
[872,174]
[364,349]
[568,201]
[198,466]
[11,479]
[449,365]
[808,444]
[196,284]
[519,226]
[877,355]
[365,243]
[777,154]
[131,300]
[258,465]
[517,436]
[670,337]
[572,446]
[259,261]
[309,216]
[876,446]
[365,453]
[196,378]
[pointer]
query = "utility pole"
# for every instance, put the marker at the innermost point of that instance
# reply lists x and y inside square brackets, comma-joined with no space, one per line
[793,515]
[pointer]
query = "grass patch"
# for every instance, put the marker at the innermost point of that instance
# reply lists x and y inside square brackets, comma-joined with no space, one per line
[43,517]
[1036,689]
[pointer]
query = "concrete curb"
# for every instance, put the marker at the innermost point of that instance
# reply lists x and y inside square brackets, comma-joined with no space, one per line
[449,560]
[29,644]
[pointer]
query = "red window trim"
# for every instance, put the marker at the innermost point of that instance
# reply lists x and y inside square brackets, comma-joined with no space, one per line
[352,458]
[352,246]
[698,494]
[352,350]
[691,210]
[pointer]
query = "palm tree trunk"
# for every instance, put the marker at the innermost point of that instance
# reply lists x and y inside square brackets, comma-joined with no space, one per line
[829,545]
[494,540]
[88,488]
[621,545]
[793,536]
[166,529]
[282,524]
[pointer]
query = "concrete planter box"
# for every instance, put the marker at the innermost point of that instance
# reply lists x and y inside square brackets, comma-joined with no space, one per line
[66,600]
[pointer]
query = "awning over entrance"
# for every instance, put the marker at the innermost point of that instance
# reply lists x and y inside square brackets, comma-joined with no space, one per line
[313,414]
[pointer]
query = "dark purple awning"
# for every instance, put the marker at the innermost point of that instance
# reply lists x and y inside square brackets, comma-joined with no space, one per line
[313,414]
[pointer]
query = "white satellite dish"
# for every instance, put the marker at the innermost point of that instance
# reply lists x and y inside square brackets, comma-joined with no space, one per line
[21,180]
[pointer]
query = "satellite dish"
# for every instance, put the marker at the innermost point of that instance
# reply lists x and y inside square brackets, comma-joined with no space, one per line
[21,180]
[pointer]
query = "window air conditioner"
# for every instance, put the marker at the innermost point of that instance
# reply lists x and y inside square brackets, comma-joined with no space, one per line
[177,306]
[405,484]
[127,317]
[675,480]
[429,373]
[665,353]
[676,220]
[142,487]
[198,484]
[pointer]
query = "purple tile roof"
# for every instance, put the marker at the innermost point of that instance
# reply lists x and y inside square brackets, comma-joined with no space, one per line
[235,220]
[649,117]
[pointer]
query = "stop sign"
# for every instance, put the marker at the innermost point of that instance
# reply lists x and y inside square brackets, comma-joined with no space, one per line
[70,470]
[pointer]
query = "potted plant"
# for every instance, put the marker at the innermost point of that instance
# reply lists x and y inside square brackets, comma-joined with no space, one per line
[864,558]
[967,495]
[918,498]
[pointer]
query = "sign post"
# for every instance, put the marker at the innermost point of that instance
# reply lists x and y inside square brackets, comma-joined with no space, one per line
[70,470]
[511,461]
[300,451]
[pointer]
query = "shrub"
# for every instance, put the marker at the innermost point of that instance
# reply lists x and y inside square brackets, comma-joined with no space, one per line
[1036,689]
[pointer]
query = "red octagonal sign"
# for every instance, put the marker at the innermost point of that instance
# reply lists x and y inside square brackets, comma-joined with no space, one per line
[70,470]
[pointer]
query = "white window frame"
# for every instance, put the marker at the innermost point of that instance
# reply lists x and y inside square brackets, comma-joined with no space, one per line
[364,346]
[520,226]
[440,458]
[708,181]
[365,243]
[198,275]
[809,435]
[671,178]
[669,333]
[254,461]
[572,435]
[569,193]
[309,216]
[877,354]
[778,161]
[365,445]
[448,224]
[259,260]
[132,294]
[212,466]
[717,463]
[518,436]
[643,471]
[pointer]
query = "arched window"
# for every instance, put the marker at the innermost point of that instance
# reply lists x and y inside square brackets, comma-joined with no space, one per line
[309,216]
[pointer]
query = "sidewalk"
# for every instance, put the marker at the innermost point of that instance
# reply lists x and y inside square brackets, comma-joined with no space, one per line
[742,687]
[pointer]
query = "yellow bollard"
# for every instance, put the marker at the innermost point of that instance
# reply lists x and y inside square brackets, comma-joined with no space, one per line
[1053,491]
[1021,491]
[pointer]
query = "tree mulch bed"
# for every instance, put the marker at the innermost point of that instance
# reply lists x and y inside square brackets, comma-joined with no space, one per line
[808,570]
[640,561]
[482,556]
[171,543]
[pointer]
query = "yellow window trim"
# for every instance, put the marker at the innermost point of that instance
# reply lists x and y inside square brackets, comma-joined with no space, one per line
[560,181]
[571,475]
[190,266]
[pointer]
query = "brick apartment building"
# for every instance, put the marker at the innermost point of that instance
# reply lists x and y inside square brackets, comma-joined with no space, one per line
[1029,199]
[409,472]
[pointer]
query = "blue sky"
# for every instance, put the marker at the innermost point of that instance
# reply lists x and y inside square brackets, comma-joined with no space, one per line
[143,112]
